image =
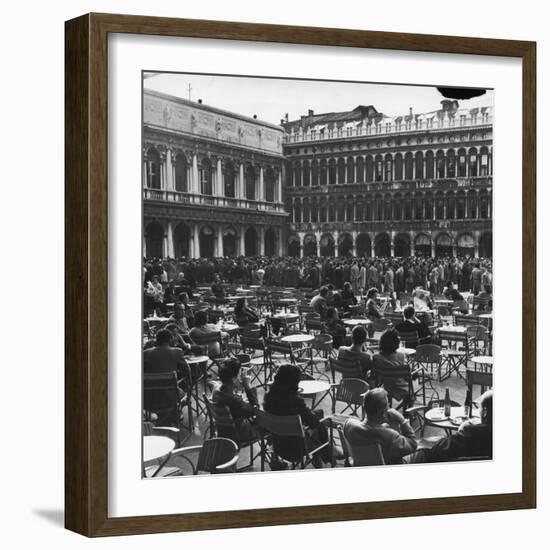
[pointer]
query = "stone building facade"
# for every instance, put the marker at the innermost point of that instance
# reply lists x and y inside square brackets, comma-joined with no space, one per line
[363,183]
[212,181]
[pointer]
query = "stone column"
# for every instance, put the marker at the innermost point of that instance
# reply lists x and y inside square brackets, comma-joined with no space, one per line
[196,245]
[262,240]
[301,237]
[279,198]
[165,245]
[170,240]
[411,236]
[261,191]
[336,236]
[169,171]
[241,193]
[145,174]
[392,244]
[219,179]
[241,244]
[433,248]
[195,183]
[219,242]
[476,244]
[280,242]
[354,247]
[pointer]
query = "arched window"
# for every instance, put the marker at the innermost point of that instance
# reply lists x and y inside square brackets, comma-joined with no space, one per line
[378,169]
[428,202]
[323,211]
[331,172]
[418,207]
[341,211]
[439,206]
[398,207]
[229,179]
[314,172]
[350,214]
[152,162]
[419,165]
[205,176]
[429,165]
[461,164]
[331,212]
[323,172]
[408,206]
[314,211]
[360,166]
[305,173]
[484,161]
[472,162]
[297,212]
[269,182]
[297,174]
[451,164]
[250,183]
[450,206]
[180,170]
[341,170]
[369,172]
[351,170]
[440,164]
[408,166]
[460,206]
[398,172]
[388,168]
[305,212]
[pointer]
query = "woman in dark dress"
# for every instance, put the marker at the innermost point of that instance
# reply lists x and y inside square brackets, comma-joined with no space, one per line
[283,399]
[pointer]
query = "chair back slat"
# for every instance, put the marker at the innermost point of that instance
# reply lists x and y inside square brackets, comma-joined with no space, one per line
[214,452]
[351,390]
[290,426]
[347,368]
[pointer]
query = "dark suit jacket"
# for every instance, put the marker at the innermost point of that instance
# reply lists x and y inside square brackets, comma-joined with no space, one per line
[165,360]
[471,440]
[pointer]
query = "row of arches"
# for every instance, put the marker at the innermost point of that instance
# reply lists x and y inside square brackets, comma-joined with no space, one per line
[182,167]
[471,162]
[396,206]
[210,241]
[403,245]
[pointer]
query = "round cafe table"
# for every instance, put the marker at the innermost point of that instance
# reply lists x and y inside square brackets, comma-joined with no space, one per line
[286,316]
[196,359]
[460,329]
[406,351]
[230,328]
[436,417]
[354,322]
[483,360]
[312,388]
[298,338]
[486,316]
[157,447]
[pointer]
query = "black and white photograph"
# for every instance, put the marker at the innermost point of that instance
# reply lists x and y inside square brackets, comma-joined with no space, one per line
[317,274]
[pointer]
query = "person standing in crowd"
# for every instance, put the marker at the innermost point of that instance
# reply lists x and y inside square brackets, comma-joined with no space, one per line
[354,276]
[475,278]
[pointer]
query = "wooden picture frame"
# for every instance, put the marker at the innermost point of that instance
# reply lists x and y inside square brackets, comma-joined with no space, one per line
[86,222]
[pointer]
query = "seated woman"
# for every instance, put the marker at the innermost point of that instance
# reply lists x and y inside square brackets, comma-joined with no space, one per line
[335,327]
[451,293]
[356,351]
[373,311]
[242,411]
[387,359]
[243,314]
[283,399]
[348,297]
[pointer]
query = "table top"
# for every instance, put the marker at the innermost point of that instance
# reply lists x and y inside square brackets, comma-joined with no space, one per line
[298,338]
[286,300]
[156,446]
[406,351]
[482,360]
[244,290]
[196,358]
[156,319]
[443,301]
[354,322]
[437,417]
[285,316]
[453,328]
[227,327]
[312,387]
[486,316]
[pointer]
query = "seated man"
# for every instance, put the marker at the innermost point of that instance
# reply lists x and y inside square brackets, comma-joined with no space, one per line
[411,325]
[356,351]
[335,327]
[163,358]
[471,440]
[178,318]
[202,328]
[227,395]
[451,293]
[382,425]
[319,302]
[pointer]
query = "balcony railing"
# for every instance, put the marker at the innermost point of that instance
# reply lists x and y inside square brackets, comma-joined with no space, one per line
[395,225]
[387,128]
[178,197]
[403,185]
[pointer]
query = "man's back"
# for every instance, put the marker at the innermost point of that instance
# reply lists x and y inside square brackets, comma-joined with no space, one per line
[394,445]
[162,359]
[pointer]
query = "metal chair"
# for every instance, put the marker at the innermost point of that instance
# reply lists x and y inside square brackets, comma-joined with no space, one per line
[222,424]
[215,456]
[258,362]
[283,352]
[361,455]
[275,426]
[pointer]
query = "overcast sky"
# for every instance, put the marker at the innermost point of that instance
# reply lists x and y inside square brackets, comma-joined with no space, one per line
[270,99]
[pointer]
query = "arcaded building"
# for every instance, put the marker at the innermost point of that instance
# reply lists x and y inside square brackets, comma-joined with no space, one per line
[212,181]
[363,183]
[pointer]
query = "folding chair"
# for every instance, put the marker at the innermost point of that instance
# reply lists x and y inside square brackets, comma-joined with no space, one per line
[222,424]
[388,376]
[280,352]
[162,396]
[258,361]
[479,375]
[361,455]
[215,456]
[478,340]
[298,454]
[408,339]
[456,353]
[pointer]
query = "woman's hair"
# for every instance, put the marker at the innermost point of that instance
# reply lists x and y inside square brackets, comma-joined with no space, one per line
[239,305]
[287,378]
[200,318]
[330,312]
[389,341]
[371,292]
[230,369]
